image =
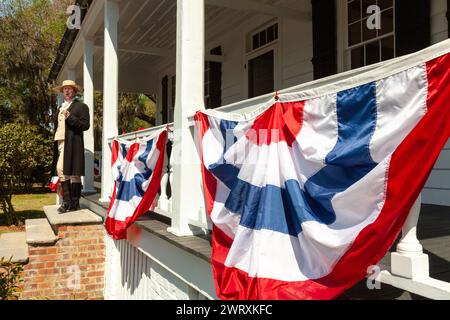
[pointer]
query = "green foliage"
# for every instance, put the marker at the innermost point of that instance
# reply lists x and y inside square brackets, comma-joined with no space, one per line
[30,32]
[135,111]
[10,277]
[98,120]
[26,155]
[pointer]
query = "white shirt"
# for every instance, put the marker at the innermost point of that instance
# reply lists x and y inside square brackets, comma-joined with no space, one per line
[60,131]
[66,104]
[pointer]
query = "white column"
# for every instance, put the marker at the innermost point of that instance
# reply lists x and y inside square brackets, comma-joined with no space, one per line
[60,99]
[88,83]
[110,93]
[186,189]
[409,261]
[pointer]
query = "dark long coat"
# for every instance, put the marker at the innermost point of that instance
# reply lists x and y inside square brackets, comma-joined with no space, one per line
[76,123]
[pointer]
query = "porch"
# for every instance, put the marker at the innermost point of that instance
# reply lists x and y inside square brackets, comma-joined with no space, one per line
[433,232]
[174,50]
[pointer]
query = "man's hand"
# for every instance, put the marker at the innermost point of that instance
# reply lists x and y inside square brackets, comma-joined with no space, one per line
[66,113]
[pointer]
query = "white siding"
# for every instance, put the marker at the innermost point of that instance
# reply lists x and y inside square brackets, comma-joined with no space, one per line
[294,52]
[297,52]
[439,24]
[294,67]
[232,48]
[293,57]
[437,188]
[135,276]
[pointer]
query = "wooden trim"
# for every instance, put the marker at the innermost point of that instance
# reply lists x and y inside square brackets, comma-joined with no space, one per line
[147,50]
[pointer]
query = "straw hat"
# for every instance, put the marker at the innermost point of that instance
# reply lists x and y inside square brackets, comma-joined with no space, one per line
[68,83]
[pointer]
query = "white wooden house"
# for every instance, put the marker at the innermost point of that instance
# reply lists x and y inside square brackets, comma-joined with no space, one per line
[231,54]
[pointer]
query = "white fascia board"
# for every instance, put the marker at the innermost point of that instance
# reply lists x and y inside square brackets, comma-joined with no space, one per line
[91,23]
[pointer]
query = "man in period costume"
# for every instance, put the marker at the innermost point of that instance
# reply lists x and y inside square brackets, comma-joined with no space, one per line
[68,157]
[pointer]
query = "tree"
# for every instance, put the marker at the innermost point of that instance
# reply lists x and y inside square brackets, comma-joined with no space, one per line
[6,106]
[98,120]
[30,31]
[26,156]
[135,111]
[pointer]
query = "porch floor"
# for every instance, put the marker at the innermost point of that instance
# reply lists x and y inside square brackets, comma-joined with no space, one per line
[433,233]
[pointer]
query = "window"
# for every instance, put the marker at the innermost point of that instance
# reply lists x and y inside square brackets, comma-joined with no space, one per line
[165,99]
[261,59]
[262,37]
[366,46]
[168,98]
[261,75]
[172,97]
[213,81]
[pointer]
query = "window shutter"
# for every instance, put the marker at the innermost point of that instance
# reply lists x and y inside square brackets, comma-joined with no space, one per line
[215,84]
[164,100]
[213,99]
[324,38]
[448,16]
[412,24]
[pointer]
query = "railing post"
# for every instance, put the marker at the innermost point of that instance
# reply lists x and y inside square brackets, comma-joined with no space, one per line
[110,93]
[163,202]
[409,261]
[171,173]
[186,187]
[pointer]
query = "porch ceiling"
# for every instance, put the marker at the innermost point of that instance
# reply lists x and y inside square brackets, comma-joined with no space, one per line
[147,31]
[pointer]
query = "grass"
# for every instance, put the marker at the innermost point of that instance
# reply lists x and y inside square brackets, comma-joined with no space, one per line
[28,206]
[32,203]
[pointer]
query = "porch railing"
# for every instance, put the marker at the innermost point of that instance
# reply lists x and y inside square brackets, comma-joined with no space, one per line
[408,262]
[163,201]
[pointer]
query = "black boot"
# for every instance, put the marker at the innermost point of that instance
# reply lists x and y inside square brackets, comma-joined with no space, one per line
[65,207]
[76,195]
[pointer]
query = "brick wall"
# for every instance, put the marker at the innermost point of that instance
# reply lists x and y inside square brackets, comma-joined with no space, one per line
[73,268]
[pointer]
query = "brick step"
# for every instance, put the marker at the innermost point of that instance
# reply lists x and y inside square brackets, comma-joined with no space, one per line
[39,232]
[79,217]
[14,245]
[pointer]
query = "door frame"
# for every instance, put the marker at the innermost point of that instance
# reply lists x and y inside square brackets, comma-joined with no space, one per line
[275,45]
